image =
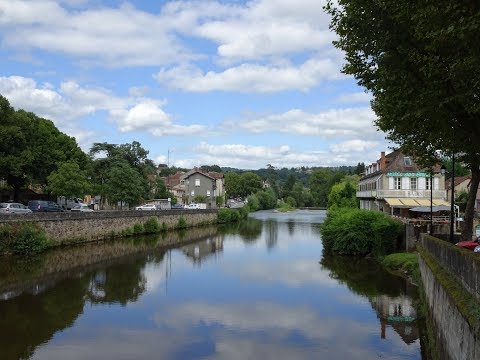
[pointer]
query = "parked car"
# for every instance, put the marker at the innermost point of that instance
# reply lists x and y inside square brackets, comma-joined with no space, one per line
[470,245]
[146,207]
[81,208]
[44,206]
[477,249]
[14,208]
[177,206]
[192,206]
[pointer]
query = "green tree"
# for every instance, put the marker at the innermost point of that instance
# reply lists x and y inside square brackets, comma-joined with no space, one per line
[124,184]
[232,184]
[32,147]
[320,184]
[69,181]
[250,183]
[288,187]
[426,96]
[343,194]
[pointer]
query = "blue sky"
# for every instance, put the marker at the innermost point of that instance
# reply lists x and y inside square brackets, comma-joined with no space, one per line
[233,83]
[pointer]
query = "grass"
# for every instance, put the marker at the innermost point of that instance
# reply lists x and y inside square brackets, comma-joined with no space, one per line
[285,207]
[406,263]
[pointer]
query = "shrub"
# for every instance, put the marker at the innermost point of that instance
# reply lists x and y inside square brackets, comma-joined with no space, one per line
[253,203]
[137,229]
[228,215]
[164,227]
[28,239]
[352,231]
[291,201]
[182,223]
[127,232]
[151,226]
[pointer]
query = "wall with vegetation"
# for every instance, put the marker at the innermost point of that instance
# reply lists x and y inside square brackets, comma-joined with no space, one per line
[463,264]
[455,338]
[450,280]
[65,228]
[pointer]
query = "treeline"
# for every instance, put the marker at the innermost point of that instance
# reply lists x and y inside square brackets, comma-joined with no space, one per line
[35,154]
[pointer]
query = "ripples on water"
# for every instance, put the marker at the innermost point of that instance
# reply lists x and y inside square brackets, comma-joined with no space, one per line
[257,290]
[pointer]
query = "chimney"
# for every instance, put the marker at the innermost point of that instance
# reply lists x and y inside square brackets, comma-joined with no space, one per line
[382,161]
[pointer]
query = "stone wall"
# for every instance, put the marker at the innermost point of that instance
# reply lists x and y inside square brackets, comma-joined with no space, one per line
[74,227]
[463,264]
[455,338]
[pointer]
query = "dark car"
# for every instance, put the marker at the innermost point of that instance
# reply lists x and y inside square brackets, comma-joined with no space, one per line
[470,245]
[44,206]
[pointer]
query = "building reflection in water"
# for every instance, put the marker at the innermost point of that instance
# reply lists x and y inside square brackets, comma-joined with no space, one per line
[398,313]
[202,250]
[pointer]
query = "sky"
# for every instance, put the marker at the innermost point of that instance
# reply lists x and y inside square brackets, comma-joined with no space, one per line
[233,83]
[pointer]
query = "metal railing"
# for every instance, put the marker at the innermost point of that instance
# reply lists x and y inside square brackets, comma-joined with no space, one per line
[381,194]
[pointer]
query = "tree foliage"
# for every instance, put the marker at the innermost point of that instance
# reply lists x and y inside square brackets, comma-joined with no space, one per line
[420,61]
[343,194]
[69,181]
[124,184]
[32,147]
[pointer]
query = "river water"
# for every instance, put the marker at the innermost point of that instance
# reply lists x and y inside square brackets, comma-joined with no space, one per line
[257,290]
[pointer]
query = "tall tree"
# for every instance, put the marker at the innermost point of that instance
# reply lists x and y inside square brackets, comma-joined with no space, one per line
[69,181]
[32,147]
[124,184]
[426,95]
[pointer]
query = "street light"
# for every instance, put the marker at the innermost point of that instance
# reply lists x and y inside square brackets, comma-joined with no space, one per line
[431,202]
[452,198]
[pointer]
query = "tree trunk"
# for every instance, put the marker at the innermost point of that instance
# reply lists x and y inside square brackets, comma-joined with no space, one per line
[467,230]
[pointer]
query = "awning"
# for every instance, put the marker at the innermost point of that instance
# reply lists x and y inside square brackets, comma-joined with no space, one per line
[394,202]
[411,203]
[426,209]
[438,202]
[424,202]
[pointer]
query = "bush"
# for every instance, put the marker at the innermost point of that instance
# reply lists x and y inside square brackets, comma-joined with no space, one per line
[151,226]
[253,203]
[359,232]
[127,232]
[137,229]
[228,216]
[284,207]
[23,239]
[182,223]
[405,262]
[164,227]
[291,201]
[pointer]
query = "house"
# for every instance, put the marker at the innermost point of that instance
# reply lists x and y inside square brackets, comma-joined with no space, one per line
[394,184]
[204,186]
[462,184]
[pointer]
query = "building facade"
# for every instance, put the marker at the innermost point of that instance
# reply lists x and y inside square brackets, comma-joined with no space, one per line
[199,185]
[394,184]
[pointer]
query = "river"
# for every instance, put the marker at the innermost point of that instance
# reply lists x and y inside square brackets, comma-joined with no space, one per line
[261,289]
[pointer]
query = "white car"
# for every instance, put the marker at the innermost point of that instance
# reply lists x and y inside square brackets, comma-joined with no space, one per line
[81,208]
[477,249]
[146,207]
[14,208]
[192,207]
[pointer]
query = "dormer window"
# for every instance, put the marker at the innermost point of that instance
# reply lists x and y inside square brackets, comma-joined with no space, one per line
[407,161]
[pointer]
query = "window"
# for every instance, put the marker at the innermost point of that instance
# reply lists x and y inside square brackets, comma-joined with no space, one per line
[428,183]
[193,193]
[407,161]
[208,192]
[413,183]
[397,183]
[197,182]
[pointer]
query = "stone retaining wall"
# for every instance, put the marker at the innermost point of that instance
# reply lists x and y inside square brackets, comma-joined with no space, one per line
[463,264]
[454,337]
[75,227]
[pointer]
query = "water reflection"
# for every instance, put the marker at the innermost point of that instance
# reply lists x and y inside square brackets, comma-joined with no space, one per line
[251,290]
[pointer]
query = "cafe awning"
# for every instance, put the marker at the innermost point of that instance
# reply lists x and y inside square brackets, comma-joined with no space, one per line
[411,203]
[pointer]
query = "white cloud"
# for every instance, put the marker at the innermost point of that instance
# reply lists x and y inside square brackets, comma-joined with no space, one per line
[259,28]
[68,104]
[333,123]
[354,145]
[122,36]
[251,77]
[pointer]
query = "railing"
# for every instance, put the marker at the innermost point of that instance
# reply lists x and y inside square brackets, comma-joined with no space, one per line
[380,194]
[435,220]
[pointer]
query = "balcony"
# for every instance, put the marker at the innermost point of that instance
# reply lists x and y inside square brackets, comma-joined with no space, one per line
[381,194]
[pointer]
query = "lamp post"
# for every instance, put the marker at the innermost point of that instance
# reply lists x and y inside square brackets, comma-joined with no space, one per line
[452,204]
[431,202]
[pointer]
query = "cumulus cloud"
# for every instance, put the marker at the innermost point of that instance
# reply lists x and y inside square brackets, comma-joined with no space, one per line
[122,36]
[333,123]
[357,97]
[251,77]
[71,102]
